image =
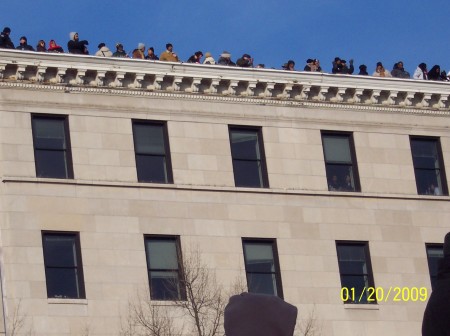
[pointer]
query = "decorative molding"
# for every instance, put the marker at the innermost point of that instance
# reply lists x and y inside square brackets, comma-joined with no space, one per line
[116,76]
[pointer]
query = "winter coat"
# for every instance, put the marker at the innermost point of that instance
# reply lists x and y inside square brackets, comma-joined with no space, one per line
[137,53]
[25,46]
[168,56]
[225,61]
[244,63]
[378,74]
[209,60]
[193,59]
[152,57]
[419,74]
[77,47]
[104,52]
[400,73]
[5,41]
[53,47]
[342,69]
[120,54]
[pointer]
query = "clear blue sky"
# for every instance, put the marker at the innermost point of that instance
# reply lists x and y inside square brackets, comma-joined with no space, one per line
[271,31]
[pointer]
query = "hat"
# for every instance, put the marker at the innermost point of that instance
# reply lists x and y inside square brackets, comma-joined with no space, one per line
[101,45]
[141,46]
[225,54]
[246,55]
[362,66]
[208,54]
[72,35]
[198,53]
[7,30]
[118,44]
[23,38]
[379,64]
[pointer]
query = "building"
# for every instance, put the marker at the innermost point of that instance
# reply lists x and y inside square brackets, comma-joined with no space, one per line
[305,182]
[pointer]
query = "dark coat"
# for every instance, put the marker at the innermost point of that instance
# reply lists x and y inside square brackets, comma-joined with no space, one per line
[5,41]
[436,319]
[244,63]
[77,47]
[250,314]
[25,47]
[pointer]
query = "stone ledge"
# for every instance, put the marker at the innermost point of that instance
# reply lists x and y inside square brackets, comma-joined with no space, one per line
[139,76]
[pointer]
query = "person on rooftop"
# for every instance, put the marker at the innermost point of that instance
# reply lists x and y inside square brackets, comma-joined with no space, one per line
[246,61]
[168,55]
[363,70]
[151,55]
[41,46]
[421,72]
[435,73]
[209,59]
[312,65]
[399,71]
[138,53]
[196,58]
[76,46]
[225,59]
[23,45]
[290,65]
[119,51]
[5,40]
[340,67]
[103,51]
[380,71]
[54,47]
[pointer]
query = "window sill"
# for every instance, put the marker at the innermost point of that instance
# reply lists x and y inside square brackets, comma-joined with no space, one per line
[67,301]
[362,306]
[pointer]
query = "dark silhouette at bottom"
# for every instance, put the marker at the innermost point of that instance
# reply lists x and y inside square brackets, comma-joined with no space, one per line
[250,314]
[436,319]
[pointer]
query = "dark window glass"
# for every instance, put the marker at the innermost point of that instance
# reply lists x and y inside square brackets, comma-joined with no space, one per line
[435,253]
[152,152]
[428,166]
[52,146]
[262,268]
[340,162]
[355,269]
[249,165]
[63,267]
[163,264]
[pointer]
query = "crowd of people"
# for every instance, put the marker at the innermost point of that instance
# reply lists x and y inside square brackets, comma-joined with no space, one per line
[339,66]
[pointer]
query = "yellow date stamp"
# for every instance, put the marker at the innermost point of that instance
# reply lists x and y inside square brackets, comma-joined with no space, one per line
[381,294]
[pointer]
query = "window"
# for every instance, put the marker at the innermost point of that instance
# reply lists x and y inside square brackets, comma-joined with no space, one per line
[151,146]
[51,141]
[262,267]
[340,162]
[247,151]
[63,267]
[164,268]
[355,270]
[435,253]
[428,166]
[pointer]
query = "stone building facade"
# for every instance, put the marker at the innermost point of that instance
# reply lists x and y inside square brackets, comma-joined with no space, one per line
[303,182]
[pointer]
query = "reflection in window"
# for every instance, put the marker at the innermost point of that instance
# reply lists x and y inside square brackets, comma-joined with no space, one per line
[340,162]
[248,157]
[152,152]
[355,269]
[63,267]
[435,253]
[52,146]
[428,166]
[164,269]
[262,268]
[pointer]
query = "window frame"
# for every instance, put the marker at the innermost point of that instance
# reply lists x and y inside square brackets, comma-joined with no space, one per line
[276,261]
[167,156]
[67,151]
[433,277]
[79,261]
[354,162]
[264,178]
[179,271]
[368,261]
[440,157]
